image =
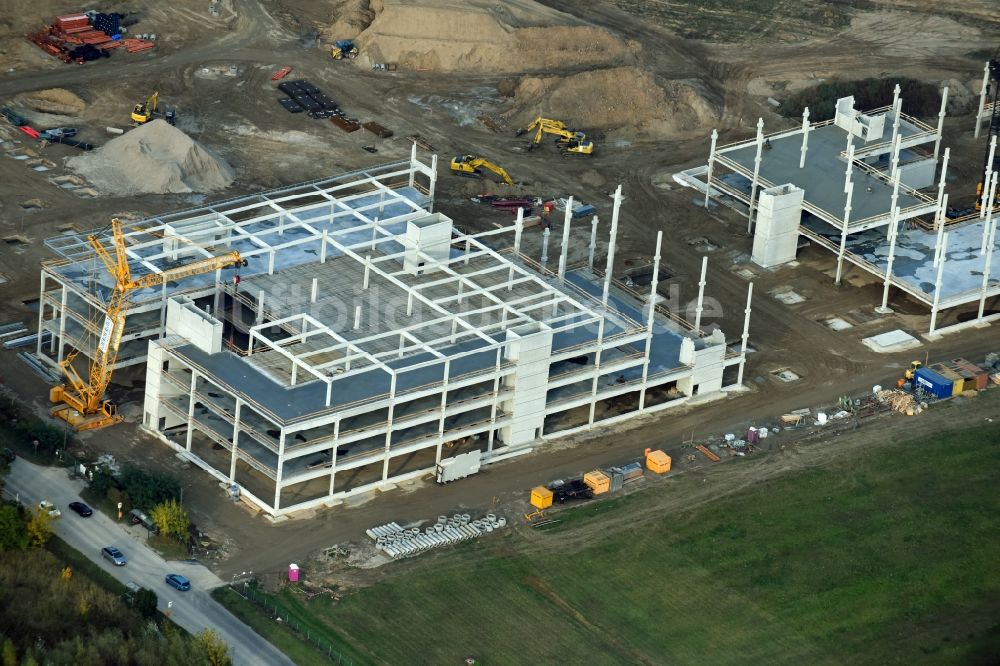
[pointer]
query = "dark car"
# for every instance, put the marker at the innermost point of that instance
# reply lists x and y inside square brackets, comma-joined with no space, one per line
[81,509]
[178,581]
[115,555]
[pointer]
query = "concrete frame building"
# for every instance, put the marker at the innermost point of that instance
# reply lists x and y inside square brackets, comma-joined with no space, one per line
[369,339]
[867,187]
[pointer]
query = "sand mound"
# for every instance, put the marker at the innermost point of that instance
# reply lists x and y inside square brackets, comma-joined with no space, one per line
[485,36]
[54,100]
[350,17]
[625,102]
[156,158]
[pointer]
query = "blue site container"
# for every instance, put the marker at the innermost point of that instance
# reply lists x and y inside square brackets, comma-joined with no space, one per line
[933,383]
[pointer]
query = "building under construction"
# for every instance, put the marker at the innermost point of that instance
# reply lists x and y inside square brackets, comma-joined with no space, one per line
[869,187]
[369,339]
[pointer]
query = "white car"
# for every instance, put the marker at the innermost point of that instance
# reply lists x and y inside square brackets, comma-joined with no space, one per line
[46,505]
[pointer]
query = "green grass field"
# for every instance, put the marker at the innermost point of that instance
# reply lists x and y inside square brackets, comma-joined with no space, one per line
[888,557]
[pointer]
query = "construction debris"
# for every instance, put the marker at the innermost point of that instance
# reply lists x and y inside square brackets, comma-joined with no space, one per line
[900,401]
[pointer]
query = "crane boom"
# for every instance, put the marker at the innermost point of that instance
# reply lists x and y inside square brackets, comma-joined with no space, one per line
[87,407]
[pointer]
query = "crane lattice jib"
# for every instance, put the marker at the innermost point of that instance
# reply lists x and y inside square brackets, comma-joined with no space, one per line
[91,393]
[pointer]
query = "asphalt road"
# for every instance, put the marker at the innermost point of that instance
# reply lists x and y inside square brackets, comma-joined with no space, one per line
[194,610]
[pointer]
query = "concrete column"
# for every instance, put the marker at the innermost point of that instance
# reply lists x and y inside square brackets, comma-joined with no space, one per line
[270,263]
[897,110]
[987,266]
[849,169]
[236,440]
[593,243]
[843,232]
[281,465]
[260,307]
[322,248]
[650,319]
[564,251]
[711,162]
[433,181]
[986,176]
[893,233]
[468,248]
[41,313]
[368,268]
[191,401]
[937,284]
[357,317]
[163,311]
[746,335]
[518,231]
[217,296]
[496,402]
[616,206]
[982,98]
[895,96]
[409,304]
[443,408]
[62,324]
[336,437]
[701,295]
[388,428]
[941,115]
[940,230]
[941,181]
[597,371]
[413,172]
[545,247]
[991,186]
[805,137]
[756,173]
[315,290]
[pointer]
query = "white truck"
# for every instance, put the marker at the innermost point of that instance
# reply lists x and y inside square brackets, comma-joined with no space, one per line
[458,467]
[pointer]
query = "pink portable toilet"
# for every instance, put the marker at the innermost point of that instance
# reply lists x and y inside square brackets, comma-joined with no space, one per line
[293,573]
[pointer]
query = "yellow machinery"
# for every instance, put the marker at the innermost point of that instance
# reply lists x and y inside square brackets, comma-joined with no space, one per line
[470,165]
[144,111]
[911,372]
[83,404]
[570,142]
[343,48]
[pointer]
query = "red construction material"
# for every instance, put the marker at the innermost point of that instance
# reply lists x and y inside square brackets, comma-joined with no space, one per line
[110,44]
[73,30]
[708,454]
[281,73]
[33,133]
[134,45]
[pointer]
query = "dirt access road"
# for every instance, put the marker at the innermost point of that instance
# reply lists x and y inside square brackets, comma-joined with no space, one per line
[239,118]
[193,610]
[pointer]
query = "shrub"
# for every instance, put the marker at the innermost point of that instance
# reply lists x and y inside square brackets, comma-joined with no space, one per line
[147,489]
[171,519]
[12,530]
[144,602]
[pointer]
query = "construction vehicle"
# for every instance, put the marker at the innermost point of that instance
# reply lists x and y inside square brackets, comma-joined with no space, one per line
[994,130]
[343,48]
[470,165]
[143,112]
[570,142]
[83,405]
[911,372]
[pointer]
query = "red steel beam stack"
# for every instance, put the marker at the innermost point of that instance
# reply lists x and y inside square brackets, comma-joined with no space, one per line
[72,23]
[134,45]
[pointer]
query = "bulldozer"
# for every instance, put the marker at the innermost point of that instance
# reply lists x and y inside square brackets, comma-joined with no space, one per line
[470,165]
[571,142]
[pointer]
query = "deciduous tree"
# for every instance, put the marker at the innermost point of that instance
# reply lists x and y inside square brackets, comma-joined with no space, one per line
[171,519]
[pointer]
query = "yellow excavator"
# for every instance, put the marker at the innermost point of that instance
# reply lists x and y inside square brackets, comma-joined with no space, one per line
[470,165]
[83,405]
[143,112]
[571,142]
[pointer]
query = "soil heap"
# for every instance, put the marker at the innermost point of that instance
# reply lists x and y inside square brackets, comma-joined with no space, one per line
[624,102]
[53,100]
[156,158]
[484,36]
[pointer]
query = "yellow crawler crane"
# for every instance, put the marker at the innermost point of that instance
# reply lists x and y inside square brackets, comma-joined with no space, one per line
[82,402]
[470,165]
[570,142]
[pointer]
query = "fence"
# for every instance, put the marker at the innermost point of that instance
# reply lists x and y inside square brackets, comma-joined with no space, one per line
[275,610]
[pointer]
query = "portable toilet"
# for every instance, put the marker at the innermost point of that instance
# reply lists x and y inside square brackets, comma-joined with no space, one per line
[293,573]
[541,497]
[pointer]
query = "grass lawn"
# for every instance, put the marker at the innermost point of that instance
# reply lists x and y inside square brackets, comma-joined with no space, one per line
[82,565]
[888,556]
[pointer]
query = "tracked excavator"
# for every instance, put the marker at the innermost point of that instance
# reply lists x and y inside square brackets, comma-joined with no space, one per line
[571,143]
[81,402]
[470,165]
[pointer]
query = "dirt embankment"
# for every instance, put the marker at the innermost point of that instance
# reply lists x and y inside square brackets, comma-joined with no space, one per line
[481,36]
[624,102]
[155,158]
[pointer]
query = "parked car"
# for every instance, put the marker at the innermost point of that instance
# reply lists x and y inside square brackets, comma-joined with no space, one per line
[178,581]
[81,509]
[48,506]
[137,517]
[115,555]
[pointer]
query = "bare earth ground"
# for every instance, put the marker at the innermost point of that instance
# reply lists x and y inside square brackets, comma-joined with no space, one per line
[236,116]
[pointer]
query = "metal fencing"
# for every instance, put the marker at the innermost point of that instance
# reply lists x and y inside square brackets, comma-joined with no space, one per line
[275,610]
